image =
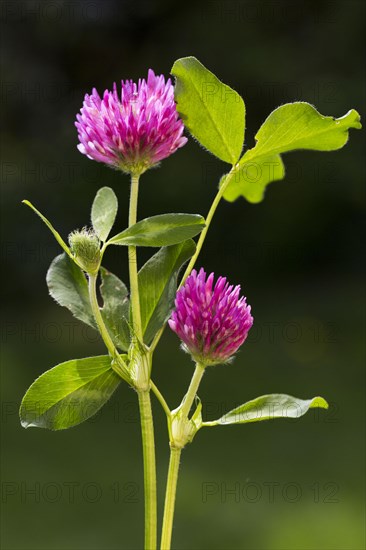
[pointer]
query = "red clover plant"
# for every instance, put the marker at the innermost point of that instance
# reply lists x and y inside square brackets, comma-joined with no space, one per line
[133,130]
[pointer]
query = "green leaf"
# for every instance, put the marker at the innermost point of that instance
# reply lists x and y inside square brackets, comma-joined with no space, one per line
[269,407]
[212,111]
[57,236]
[158,284]
[251,178]
[116,308]
[104,211]
[291,126]
[162,230]
[69,393]
[68,286]
[300,126]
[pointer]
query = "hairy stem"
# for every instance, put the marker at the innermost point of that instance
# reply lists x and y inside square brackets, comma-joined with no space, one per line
[147,426]
[148,446]
[98,316]
[208,221]
[121,367]
[175,452]
[132,260]
[201,240]
[192,390]
[160,398]
[171,489]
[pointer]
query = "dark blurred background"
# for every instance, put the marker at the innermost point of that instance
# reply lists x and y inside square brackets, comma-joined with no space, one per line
[281,485]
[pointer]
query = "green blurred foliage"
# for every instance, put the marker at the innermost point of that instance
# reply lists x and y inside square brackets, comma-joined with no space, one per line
[297,255]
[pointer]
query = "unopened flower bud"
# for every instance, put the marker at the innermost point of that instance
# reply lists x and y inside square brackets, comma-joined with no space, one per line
[85,246]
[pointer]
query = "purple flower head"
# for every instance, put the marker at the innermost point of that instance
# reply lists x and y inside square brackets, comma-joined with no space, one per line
[134,130]
[212,321]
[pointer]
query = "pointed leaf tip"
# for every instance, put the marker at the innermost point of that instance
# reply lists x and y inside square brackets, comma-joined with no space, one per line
[55,233]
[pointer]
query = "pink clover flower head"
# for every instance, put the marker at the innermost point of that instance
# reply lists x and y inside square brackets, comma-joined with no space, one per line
[212,321]
[133,130]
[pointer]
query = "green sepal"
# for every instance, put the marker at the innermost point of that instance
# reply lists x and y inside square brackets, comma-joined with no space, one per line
[182,430]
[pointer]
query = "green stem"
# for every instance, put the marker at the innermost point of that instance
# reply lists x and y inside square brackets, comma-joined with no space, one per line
[98,316]
[160,398]
[175,452]
[192,390]
[122,369]
[148,446]
[208,221]
[171,489]
[200,241]
[147,429]
[132,260]
[147,426]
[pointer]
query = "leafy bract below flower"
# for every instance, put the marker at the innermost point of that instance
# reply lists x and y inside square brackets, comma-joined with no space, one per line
[132,131]
[212,321]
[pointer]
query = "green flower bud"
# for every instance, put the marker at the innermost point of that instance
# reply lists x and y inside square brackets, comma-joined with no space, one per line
[85,247]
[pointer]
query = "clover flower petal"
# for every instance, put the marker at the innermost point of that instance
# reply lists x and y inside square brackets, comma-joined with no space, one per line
[133,130]
[212,321]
